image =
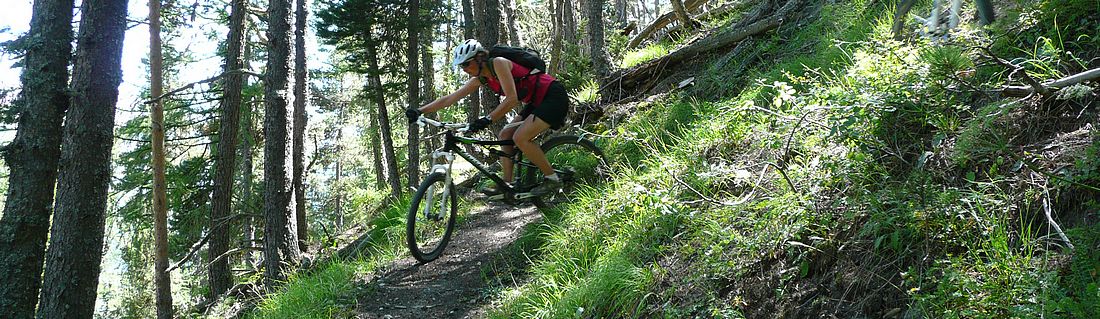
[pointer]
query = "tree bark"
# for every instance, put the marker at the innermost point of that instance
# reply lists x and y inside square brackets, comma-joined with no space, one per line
[986,14]
[33,156]
[161,276]
[473,100]
[248,227]
[375,131]
[280,233]
[383,118]
[411,72]
[556,55]
[427,92]
[221,206]
[1046,87]
[301,84]
[76,238]
[514,37]
[620,13]
[597,48]
[339,188]
[569,21]
[490,35]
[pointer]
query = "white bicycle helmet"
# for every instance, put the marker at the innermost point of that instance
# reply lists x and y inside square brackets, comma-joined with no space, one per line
[467,50]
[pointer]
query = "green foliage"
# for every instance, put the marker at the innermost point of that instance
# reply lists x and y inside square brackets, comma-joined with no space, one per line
[1079,296]
[587,94]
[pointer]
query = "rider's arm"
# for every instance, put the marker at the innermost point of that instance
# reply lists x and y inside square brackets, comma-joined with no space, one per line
[503,68]
[450,99]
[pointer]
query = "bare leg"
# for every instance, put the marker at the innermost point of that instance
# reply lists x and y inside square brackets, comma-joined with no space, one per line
[506,162]
[527,132]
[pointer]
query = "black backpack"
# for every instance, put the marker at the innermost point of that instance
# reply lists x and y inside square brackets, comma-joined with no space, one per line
[527,57]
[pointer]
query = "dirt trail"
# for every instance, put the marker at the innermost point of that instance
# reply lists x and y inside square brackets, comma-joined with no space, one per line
[454,285]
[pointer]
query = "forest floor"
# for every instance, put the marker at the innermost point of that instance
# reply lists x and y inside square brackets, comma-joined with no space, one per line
[478,260]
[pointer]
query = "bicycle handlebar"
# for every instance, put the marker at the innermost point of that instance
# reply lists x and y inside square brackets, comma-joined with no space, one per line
[461,127]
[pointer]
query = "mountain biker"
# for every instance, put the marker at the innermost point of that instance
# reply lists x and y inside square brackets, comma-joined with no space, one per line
[545,108]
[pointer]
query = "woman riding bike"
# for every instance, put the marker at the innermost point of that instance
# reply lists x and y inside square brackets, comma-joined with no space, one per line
[545,99]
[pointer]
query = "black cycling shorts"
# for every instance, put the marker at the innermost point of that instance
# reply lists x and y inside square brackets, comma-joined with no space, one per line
[553,108]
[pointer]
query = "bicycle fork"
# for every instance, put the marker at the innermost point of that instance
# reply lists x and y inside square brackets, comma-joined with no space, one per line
[444,164]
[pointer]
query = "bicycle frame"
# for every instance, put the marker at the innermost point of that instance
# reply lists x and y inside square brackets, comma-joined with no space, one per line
[443,159]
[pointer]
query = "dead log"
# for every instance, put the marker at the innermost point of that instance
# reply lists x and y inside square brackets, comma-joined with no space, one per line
[1049,86]
[682,14]
[661,22]
[708,15]
[642,77]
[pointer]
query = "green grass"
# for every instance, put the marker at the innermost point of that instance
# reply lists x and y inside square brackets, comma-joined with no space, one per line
[839,97]
[641,55]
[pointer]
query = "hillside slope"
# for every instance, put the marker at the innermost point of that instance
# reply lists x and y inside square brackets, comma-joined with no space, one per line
[825,169]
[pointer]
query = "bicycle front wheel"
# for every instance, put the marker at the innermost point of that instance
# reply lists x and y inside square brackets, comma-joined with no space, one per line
[431,217]
[577,161]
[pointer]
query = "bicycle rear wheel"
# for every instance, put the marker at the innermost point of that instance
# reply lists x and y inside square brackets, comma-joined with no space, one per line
[431,218]
[577,161]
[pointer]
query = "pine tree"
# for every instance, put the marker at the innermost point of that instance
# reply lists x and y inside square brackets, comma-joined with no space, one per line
[76,237]
[280,233]
[219,276]
[33,157]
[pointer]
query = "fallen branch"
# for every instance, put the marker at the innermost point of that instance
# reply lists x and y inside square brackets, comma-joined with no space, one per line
[661,22]
[1048,86]
[1050,219]
[1034,85]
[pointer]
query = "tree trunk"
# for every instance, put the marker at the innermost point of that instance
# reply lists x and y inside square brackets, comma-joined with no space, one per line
[161,276]
[514,37]
[375,131]
[569,21]
[247,141]
[339,188]
[383,118]
[301,84]
[986,14]
[280,233]
[427,91]
[76,238]
[620,13]
[597,48]
[221,206]
[33,157]
[556,55]
[473,100]
[490,35]
[411,72]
